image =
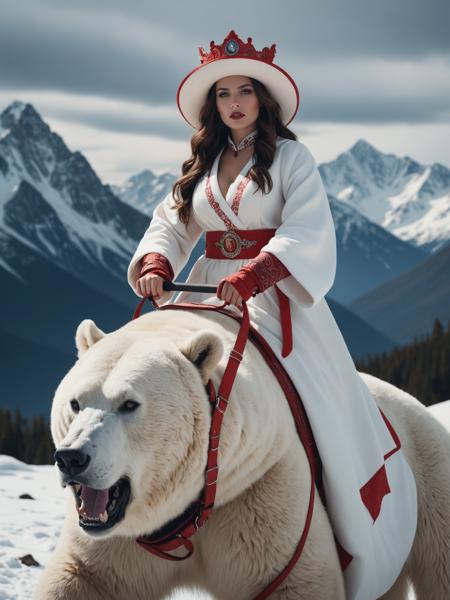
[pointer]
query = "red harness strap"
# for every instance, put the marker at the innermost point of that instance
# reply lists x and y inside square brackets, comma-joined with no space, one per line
[176,533]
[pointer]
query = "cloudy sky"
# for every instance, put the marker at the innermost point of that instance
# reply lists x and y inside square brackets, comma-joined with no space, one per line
[104,73]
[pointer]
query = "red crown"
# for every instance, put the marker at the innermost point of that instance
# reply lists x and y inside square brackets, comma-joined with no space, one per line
[233,46]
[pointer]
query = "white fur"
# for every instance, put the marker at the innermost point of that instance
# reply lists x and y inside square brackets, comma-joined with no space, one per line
[263,484]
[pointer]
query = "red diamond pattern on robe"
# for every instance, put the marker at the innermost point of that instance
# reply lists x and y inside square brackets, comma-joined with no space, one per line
[373,492]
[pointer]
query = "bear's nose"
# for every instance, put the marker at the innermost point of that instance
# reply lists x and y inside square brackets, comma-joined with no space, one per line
[72,462]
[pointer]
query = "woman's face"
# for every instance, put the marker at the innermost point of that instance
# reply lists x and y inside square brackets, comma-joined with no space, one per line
[235,93]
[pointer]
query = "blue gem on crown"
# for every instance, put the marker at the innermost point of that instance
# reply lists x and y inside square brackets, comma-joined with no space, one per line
[232,47]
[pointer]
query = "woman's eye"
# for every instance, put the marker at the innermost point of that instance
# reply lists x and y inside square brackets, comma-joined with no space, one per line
[128,406]
[247,91]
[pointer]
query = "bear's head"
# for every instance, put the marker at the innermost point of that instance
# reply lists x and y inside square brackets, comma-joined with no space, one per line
[130,422]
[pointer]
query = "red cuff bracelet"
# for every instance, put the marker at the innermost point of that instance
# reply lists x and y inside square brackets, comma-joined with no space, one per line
[258,275]
[156,263]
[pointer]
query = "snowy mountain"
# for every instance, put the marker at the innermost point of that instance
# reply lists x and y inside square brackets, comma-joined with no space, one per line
[410,200]
[65,245]
[367,254]
[52,201]
[407,305]
[144,190]
[66,240]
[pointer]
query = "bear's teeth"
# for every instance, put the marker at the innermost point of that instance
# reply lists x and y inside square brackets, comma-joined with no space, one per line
[81,510]
[112,505]
[104,516]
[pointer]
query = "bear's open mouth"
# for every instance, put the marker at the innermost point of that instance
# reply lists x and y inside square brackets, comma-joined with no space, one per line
[101,509]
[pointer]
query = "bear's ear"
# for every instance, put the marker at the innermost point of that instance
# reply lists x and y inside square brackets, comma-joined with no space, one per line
[204,350]
[87,335]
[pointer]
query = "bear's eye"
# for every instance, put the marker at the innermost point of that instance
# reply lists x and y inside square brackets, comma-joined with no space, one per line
[128,406]
[75,406]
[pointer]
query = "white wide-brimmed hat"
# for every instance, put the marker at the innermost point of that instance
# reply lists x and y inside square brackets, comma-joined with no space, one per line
[235,57]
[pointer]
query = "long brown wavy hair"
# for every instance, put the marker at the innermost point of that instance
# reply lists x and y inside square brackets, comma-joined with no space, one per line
[211,137]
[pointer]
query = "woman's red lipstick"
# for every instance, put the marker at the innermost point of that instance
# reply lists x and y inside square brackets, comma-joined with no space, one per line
[236,115]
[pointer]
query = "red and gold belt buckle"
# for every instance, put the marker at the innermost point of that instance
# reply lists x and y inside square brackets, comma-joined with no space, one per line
[231,243]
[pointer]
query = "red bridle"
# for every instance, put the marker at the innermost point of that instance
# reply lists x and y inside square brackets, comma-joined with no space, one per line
[177,533]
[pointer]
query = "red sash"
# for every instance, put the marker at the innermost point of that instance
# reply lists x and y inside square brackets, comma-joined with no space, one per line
[247,243]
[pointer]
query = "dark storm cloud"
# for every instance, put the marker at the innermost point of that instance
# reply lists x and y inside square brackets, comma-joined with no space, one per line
[319,28]
[70,49]
[140,50]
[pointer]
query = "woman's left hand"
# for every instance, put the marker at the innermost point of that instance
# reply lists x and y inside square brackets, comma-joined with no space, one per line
[229,294]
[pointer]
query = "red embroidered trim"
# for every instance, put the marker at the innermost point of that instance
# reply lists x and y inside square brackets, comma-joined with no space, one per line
[158,264]
[234,204]
[264,270]
[215,206]
[258,274]
[244,283]
[267,268]
[238,195]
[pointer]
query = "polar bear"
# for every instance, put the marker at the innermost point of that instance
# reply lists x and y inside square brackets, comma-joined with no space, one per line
[131,417]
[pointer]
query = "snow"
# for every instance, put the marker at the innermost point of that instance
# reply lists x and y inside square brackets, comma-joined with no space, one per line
[33,526]
[14,273]
[409,200]
[81,230]
[15,109]
[432,227]
[8,187]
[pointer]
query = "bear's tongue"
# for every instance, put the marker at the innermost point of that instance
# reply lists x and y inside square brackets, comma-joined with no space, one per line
[94,501]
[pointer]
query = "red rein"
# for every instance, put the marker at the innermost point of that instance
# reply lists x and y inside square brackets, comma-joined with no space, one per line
[177,533]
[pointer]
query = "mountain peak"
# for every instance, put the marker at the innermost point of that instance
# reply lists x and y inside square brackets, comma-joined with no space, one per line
[11,115]
[363,148]
[141,178]
[17,114]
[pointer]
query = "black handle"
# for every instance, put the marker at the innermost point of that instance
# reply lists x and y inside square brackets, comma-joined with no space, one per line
[188,287]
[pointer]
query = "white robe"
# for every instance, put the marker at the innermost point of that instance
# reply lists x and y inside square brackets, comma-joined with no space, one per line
[351,435]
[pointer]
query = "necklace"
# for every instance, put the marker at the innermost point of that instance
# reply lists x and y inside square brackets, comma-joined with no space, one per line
[247,141]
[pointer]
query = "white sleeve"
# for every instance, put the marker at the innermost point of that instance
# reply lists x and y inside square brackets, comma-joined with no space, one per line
[170,237]
[305,241]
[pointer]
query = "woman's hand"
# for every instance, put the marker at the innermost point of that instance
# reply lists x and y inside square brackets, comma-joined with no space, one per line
[150,285]
[229,294]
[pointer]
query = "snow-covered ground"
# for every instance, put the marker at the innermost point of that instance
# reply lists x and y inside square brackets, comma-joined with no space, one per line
[33,526]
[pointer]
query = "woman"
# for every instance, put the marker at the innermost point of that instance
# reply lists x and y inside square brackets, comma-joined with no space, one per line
[270,240]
